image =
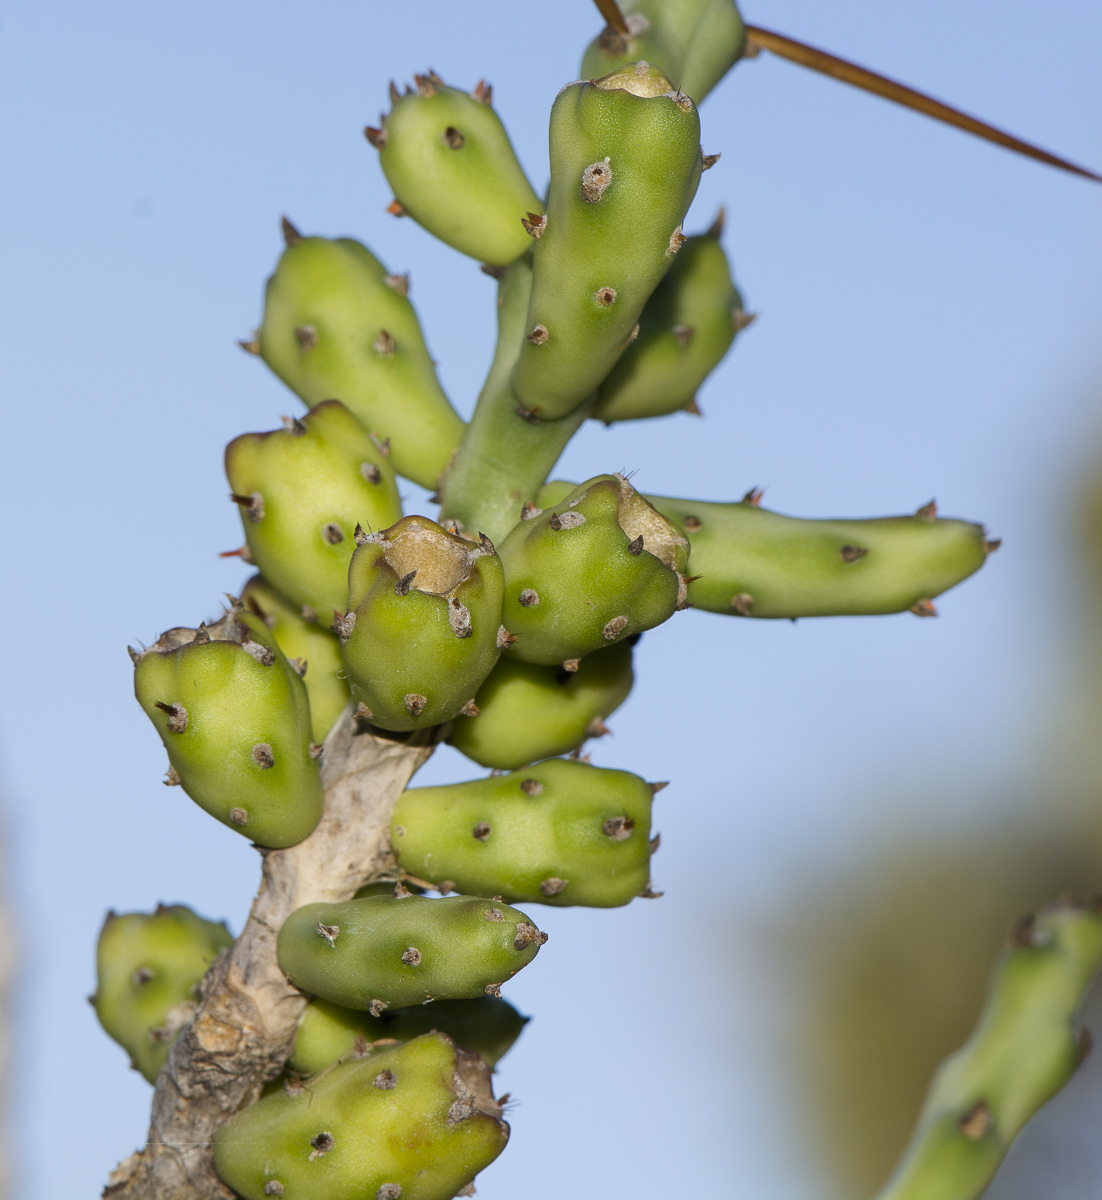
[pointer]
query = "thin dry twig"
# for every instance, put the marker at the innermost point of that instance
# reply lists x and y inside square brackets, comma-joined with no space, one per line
[899,93]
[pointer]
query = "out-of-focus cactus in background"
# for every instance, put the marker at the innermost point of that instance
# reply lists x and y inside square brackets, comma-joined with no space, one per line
[890,963]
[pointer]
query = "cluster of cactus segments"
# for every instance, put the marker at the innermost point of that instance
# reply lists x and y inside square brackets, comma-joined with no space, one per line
[507,624]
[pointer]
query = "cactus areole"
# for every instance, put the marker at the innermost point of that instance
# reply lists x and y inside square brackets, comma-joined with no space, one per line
[341,1047]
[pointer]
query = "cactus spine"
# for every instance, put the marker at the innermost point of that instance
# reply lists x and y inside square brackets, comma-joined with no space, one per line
[298,717]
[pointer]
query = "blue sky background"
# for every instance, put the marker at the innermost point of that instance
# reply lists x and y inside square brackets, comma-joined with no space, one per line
[930,309]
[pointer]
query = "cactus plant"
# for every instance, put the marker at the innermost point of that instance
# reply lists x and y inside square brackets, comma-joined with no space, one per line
[341,1046]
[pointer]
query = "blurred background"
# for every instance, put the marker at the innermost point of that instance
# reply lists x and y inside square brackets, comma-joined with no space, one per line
[859,808]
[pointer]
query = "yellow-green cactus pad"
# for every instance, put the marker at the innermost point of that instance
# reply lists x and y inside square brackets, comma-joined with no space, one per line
[597,567]
[390,951]
[338,326]
[311,648]
[235,719]
[148,968]
[423,628]
[527,711]
[489,1026]
[449,160]
[751,562]
[625,163]
[302,491]
[686,328]
[559,832]
[410,1122]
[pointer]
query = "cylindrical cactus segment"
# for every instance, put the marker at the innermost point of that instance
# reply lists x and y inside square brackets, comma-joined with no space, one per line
[410,1122]
[452,167]
[337,325]
[235,719]
[686,328]
[423,628]
[527,711]
[558,832]
[392,951]
[693,42]
[506,452]
[309,646]
[625,163]
[599,566]
[148,968]
[489,1026]
[1023,1051]
[750,562]
[303,491]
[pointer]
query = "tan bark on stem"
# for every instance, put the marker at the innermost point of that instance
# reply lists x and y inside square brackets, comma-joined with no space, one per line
[245,1025]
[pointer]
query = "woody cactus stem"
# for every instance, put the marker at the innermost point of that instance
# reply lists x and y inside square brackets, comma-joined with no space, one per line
[245,1025]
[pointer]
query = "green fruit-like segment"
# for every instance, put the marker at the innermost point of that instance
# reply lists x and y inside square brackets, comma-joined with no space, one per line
[334,327]
[1023,1051]
[695,42]
[391,951]
[559,832]
[594,569]
[148,967]
[302,491]
[449,160]
[625,163]
[308,647]
[417,1121]
[235,719]
[757,563]
[528,711]
[423,625]
[489,1026]
[686,328]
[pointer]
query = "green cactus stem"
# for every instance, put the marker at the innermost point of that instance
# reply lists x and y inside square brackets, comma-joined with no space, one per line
[506,452]
[235,719]
[750,562]
[1023,1051]
[302,492]
[148,968]
[559,832]
[452,167]
[423,629]
[410,1122]
[310,648]
[596,568]
[693,42]
[625,163]
[527,711]
[686,328]
[390,951]
[338,325]
[489,1026]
